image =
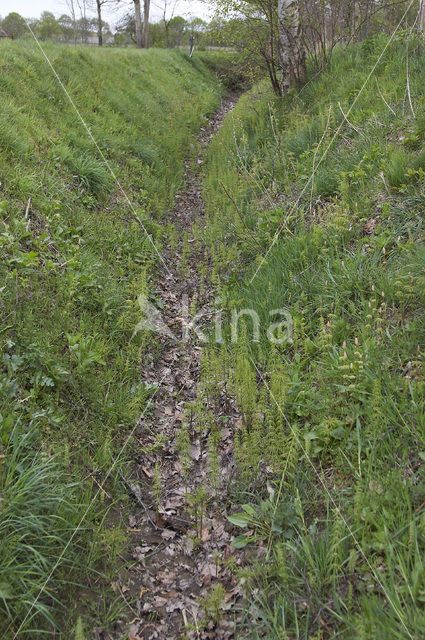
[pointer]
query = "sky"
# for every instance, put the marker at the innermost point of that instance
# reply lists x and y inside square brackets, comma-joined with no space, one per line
[33,8]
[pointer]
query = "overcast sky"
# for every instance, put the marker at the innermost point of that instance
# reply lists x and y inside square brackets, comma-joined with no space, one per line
[33,8]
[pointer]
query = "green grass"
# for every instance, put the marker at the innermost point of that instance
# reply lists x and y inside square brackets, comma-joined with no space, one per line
[343,521]
[74,257]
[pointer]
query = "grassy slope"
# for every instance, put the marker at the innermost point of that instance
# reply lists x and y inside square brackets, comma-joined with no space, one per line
[349,266]
[71,270]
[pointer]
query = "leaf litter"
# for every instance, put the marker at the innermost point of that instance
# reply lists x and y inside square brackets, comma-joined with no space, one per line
[175,565]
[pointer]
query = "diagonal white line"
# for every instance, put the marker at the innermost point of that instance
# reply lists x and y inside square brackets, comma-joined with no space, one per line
[102,155]
[356,542]
[294,206]
[101,485]
[83,517]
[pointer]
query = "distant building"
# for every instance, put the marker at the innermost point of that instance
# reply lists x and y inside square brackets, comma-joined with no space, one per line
[92,38]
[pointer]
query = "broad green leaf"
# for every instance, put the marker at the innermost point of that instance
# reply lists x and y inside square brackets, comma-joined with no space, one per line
[248,508]
[241,541]
[240,519]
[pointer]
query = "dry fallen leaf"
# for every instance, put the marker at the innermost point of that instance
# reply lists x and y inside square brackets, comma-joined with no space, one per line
[205,535]
[168,534]
[159,602]
[132,632]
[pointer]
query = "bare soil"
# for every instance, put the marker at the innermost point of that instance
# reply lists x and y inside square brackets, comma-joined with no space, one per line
[176,562]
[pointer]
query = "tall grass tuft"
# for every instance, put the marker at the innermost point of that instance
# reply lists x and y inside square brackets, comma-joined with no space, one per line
[38,514]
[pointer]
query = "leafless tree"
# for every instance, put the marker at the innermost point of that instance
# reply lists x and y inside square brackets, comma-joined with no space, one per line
[98,6]
[82,7]
[71,8]
[168,10]
[147,4]
[138,20]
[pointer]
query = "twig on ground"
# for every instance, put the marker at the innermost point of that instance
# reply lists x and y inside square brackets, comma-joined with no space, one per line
[350,124]
[138,499]
[27,211]
[100,487]
[385,102]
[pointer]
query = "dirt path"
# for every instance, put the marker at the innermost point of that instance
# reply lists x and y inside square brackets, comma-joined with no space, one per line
[175,564]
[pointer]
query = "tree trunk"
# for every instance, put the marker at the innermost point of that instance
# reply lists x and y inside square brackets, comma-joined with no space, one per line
[138,19]
[99,22]
[83,13]
[422,16]
[357,16]
[167,35]
[291,50]
[366,27]
[146,23]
